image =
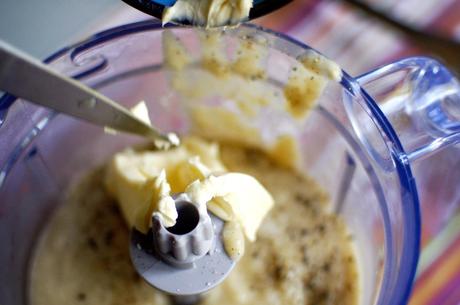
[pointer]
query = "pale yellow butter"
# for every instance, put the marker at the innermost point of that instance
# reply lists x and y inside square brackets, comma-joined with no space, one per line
[143,183]
[241,197]
[233,239]
[140,111]
[163,204]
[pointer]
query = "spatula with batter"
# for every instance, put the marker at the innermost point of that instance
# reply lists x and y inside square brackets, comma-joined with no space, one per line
[207,13]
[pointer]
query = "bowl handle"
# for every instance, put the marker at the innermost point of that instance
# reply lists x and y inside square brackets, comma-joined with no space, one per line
[421,99]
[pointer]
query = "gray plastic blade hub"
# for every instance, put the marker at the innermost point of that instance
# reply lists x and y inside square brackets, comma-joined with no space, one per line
[187,259]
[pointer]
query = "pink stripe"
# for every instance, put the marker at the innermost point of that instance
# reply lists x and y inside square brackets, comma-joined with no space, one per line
[449,294]
[302,14]
[433,269]
[454,298]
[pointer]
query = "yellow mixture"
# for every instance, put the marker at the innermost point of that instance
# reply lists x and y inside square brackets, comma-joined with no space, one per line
[302,254]
[296,252]
[144,182]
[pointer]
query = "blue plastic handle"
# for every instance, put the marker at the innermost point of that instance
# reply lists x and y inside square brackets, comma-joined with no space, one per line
[5,102]
[165,2]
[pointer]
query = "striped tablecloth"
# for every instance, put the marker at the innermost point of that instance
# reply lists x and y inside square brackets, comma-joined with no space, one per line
[359,44]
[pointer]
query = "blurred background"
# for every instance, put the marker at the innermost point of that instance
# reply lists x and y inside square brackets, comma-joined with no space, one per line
[335,27]
[358,41]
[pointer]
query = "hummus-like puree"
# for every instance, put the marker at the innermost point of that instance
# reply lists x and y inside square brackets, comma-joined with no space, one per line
[302,255]
[248,100]
[208,13]
[299,253]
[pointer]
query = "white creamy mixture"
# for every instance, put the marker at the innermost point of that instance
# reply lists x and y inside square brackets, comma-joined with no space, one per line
[299,252]
[302,254]
[209,13]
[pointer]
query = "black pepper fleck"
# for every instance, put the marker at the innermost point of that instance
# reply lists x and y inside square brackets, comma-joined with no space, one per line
[92,243]
[309,285]
[305,259]
[278,273]
[321,228]
[108,237]
[136,277]
[114,209]
[303,231]
[302,199]
[81,296]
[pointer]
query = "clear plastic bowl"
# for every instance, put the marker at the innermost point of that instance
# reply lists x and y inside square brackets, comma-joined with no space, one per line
[350,144]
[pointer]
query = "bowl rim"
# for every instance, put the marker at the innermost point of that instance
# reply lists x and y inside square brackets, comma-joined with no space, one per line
[401,289]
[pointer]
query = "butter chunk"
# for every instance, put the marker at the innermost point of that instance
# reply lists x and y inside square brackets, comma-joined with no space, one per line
[140,111]
[186,172]
[233,240]
[241,198]
[142,181]
[137,182]
[162,204]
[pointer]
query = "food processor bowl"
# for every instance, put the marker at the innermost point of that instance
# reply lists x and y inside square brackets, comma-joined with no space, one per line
[362,143]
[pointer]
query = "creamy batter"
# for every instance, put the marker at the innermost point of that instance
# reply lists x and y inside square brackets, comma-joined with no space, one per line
[241,82]
[209,13]
[302,255]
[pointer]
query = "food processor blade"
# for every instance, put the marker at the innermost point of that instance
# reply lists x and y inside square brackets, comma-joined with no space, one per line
[186,259]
